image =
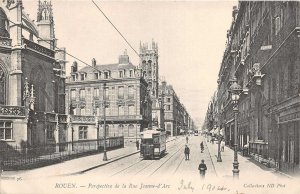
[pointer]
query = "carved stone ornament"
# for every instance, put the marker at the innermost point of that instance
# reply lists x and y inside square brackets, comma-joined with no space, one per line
[8,3]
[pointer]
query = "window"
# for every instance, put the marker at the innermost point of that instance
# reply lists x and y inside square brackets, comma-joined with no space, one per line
[168,99]
[82,111]
[121,110]
[82,76]
[74,77]
[121,92]
[130,92]
[96,93]
[98,111]
[130,73]
[107,93]
[131,131]
[107,110]
[168,107]
[277,25]
[96,75]
[131,109]
[83,130]
[106,75]
[121,74]
[107,131]
[121,130]
[50,131]
[82,94]
[73,94]
[6,130]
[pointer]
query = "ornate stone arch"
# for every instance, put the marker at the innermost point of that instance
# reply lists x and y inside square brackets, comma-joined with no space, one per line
[3,83]
[37,78]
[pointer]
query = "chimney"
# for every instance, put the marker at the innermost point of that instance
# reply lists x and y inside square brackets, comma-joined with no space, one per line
[94,62]
[124,59]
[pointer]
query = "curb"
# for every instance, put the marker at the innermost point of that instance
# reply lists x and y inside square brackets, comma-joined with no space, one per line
[100,165]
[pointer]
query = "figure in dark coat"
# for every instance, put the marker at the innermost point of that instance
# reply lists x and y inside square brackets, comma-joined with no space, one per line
[187,152]
[202,169]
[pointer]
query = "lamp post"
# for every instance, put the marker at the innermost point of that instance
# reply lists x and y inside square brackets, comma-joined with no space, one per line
[219,159]
[235,91]
[104,123]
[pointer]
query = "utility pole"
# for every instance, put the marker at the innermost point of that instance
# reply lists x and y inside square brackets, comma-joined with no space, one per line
[104,122]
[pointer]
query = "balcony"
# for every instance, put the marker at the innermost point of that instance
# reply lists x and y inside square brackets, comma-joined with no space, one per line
[12,111]
[82,119]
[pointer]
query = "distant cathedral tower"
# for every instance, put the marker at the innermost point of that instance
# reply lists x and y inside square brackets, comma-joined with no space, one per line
[45,25]
[149,65]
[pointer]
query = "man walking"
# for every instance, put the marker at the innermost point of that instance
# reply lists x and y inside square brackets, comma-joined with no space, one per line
[187,152]
[202,169]
[201,146]
[137,143]
[187,139]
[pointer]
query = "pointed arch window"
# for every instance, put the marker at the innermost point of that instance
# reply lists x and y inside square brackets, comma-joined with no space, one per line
[3,24]
[2,86]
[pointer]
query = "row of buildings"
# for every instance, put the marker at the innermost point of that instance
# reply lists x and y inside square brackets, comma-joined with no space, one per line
[262,52]
[41,105]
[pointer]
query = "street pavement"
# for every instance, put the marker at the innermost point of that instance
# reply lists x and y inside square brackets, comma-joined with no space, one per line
[172,173]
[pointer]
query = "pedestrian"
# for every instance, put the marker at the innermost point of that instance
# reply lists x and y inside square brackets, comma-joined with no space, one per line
[222,145]
[201,146]
[1,167]
[202,169]
[137,144]
[187,139]
[187,152]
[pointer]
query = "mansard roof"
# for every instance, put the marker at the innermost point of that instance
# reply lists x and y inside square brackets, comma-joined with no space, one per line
[107,67]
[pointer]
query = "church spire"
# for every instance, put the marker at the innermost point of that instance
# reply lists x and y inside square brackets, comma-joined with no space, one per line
[45,24]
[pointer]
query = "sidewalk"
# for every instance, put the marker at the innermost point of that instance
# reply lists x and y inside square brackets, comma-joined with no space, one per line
[248,168]
[78,165]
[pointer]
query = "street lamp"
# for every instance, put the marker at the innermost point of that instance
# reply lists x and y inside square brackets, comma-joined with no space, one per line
[104,123]
[235,91]
[219,159]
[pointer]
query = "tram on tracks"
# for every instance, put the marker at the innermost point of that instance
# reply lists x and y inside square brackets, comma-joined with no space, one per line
[153,144]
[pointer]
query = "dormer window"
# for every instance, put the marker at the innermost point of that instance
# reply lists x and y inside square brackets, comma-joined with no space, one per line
[121,74]
[82,76]
[96,75]
[106,75]
[130,73]
[74,77]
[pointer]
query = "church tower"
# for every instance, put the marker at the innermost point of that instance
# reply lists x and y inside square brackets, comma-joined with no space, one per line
[45,25]
[149,65]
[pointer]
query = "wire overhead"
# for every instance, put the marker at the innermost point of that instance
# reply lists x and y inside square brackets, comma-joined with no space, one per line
[115,28]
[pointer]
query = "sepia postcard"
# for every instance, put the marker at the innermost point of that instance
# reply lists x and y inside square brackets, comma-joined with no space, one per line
[153,96]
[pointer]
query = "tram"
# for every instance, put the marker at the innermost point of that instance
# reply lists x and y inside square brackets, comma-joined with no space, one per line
[153,144]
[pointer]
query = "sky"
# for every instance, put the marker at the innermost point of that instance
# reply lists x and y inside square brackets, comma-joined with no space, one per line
[191,37]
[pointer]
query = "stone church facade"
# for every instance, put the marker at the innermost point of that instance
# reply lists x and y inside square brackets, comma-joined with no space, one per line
[32,78]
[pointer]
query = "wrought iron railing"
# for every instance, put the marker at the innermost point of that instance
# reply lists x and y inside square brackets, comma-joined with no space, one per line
[27,157]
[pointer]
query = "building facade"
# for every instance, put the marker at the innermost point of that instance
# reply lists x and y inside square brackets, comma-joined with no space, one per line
[262,53]
[177,119]
[116,92]
[32,78]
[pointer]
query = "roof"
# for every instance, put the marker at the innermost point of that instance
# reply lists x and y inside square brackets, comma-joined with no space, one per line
[109,67]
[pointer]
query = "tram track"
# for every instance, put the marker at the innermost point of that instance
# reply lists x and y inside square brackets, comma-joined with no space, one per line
[167,161]
[171,148]
[210,158]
